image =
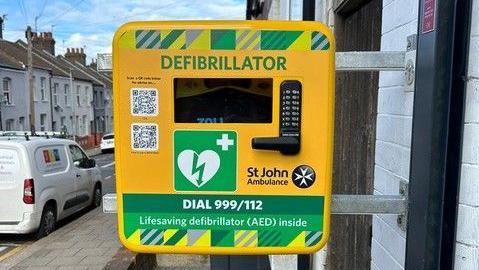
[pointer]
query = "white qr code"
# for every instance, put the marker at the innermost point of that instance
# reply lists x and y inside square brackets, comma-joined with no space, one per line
[144,137]
[144,101]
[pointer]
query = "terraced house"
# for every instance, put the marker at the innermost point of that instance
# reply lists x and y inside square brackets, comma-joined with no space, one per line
[68,95]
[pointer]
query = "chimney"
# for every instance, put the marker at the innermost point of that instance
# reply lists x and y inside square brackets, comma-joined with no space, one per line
[76,55]
[93,64]
[44,41]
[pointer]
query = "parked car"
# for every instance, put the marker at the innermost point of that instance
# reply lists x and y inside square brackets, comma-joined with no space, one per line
[43,180]
[107,143]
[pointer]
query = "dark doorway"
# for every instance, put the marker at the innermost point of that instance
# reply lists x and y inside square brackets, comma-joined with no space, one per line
[357,28]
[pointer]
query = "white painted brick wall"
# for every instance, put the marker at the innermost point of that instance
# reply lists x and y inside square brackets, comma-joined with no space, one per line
[467,236]
[393,134]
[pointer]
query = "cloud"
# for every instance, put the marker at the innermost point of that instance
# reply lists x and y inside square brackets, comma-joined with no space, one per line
[92,23]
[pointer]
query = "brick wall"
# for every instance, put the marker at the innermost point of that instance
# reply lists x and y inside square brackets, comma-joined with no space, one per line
[393,135]
[467,246]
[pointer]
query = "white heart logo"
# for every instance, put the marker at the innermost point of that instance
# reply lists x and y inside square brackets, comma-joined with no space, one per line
[198,169]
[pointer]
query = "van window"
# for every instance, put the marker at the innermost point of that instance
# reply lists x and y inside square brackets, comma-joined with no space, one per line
[77,153]
[51,159]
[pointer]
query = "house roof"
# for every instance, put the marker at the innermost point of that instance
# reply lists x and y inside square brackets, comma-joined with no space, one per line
[79,69]
[10,62]
[18,52]
[107,83]
[58,64]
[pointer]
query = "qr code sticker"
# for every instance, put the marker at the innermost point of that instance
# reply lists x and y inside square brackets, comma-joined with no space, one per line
[144,101]
[144,137]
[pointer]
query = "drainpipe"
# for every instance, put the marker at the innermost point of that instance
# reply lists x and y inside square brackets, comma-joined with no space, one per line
[73,104]
[1,123]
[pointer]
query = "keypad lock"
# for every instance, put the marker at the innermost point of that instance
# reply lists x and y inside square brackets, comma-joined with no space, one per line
[289,140]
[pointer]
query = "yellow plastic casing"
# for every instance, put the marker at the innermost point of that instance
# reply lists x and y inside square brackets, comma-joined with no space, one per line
[144,179]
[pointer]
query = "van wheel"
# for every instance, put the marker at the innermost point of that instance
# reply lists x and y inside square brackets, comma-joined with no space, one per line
[47,223]
[96,197]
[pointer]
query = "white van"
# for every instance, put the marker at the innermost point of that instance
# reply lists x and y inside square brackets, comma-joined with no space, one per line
[43,180]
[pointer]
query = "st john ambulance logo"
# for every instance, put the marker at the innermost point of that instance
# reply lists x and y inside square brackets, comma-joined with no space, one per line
[303,176]
[205,160]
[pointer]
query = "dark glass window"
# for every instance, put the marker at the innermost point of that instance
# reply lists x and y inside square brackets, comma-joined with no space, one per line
[199,100]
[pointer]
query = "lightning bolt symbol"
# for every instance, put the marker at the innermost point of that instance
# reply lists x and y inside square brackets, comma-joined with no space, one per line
[198,168]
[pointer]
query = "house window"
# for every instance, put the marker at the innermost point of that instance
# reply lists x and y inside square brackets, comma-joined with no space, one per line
[101,99]
[78,95]
[55,93]
[43,120]
[62,123]
[21,123]
[85,127]
[86,99]
[95,98]
[66,89]
[43,83]
[7,91]
[9,124]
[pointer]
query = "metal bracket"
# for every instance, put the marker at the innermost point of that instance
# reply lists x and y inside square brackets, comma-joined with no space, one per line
[410,63]
[369,61]
[109,203]
[402,218]
[368,204]
[374,204]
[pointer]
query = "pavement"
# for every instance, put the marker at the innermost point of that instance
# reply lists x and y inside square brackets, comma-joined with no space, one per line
[86,240]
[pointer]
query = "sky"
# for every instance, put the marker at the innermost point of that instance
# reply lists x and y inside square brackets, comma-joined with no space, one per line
[90,24]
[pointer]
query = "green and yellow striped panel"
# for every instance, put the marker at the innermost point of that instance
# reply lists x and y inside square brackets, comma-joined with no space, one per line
[198,39]
[147,39]
[227,39]
[229,238]
[222,238]
[312,238]
[278,40]
[247,39]
[223,39]
[173,39]
[151,236]
[246,238]
[319,41]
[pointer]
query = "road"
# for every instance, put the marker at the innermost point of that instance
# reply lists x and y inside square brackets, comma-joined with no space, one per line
[11,244]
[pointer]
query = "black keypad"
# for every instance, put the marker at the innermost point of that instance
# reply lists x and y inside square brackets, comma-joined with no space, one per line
[290,110]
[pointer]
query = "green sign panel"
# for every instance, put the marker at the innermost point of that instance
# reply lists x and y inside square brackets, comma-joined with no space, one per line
[224,220]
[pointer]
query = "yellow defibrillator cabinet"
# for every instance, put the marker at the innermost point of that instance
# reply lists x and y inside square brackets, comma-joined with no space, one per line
[224,136]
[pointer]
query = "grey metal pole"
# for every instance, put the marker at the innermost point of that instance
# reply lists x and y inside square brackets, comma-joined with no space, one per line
[435,166]
[30,79]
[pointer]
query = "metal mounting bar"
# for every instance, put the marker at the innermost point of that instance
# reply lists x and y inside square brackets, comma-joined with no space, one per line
[368,204]
[340,204]
[370,61]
